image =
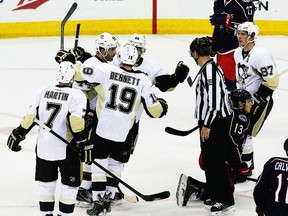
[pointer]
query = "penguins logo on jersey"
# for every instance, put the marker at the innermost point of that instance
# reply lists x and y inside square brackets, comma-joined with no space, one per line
[242,73]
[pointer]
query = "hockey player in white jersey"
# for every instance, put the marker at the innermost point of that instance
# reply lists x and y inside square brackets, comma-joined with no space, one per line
[120,93]
[106,49]
[256,73]
[61,108]
[160,78]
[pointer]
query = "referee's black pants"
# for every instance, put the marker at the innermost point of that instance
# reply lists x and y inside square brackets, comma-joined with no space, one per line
[215,152]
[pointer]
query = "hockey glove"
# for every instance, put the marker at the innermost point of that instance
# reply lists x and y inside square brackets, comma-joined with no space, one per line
[181,71]
[90,118]
[213,44]
[86,151]
[221,20]
[17,135]
[164,106]
[241,173]
[63,55]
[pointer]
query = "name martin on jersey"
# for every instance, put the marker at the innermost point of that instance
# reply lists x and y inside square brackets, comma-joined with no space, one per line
[124,78]
[56,95]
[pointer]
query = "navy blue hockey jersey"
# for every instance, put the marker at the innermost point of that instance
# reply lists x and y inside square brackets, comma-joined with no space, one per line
[271,191]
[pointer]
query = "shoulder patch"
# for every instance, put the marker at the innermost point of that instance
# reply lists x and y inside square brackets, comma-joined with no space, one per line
[243,118]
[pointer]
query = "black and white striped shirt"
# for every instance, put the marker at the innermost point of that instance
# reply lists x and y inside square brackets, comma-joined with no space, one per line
[211,94]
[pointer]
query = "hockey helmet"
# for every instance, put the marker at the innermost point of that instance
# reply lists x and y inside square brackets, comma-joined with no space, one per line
[249,27]
[201,45]
[66,72]
[286,145]
[128,54]
[106,41]
[239,95]
[139,41]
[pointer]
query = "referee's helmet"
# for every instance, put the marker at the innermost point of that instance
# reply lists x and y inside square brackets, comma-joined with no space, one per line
[202,46]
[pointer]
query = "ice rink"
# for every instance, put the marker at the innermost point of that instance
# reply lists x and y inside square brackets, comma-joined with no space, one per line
[28,64]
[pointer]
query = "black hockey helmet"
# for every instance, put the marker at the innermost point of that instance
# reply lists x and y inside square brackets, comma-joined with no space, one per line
[239,95]
[201,45]
[286,146]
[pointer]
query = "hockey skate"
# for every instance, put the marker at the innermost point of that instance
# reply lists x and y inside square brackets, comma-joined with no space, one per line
[188,187]
[220,209]
[117,200]
[84,198]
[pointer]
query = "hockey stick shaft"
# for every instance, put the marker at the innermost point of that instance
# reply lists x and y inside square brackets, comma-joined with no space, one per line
[148,198]
[69,13]
[251,179]
[177,132]
[77,36]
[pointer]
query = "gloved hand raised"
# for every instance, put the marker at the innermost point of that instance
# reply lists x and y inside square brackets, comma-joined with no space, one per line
[63,55]
[78,53]
[181,71]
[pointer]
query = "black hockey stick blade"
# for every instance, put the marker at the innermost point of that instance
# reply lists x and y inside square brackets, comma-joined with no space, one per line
[63,22]
[148,198]
[177,132]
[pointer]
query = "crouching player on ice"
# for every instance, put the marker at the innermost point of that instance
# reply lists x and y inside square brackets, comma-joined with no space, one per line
[190,188]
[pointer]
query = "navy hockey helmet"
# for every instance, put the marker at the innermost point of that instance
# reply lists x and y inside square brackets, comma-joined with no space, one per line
[286,145]
[201,45]
[240,95]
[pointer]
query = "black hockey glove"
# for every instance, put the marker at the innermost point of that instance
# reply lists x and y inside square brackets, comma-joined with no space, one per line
[220,19]
[63,55]
[181,71]
[241,173]
[17,135]
[90,118]
[80,54]
[164,106]
[86,151]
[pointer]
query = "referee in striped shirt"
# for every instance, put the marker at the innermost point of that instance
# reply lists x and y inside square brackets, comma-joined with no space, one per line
[212,112]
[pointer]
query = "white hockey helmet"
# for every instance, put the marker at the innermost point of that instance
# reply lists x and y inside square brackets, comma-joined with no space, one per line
[138,41]
[128,54]
[106,41]
[66,72]
[249,27]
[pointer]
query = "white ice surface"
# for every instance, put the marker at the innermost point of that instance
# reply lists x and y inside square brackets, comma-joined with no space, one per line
[28,64]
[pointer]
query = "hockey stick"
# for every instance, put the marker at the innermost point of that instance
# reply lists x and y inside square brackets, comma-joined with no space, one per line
[131,198]
[70,12]
[251,179]
[180,132]
[77,36]
[148,198]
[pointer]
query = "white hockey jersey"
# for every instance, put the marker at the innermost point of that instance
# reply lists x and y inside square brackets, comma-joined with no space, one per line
[149,67]
[54,106]
[256,68]
[119,98]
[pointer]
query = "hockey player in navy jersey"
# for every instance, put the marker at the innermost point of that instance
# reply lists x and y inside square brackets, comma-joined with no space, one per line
[190,187]
[227,15]
[270,192]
